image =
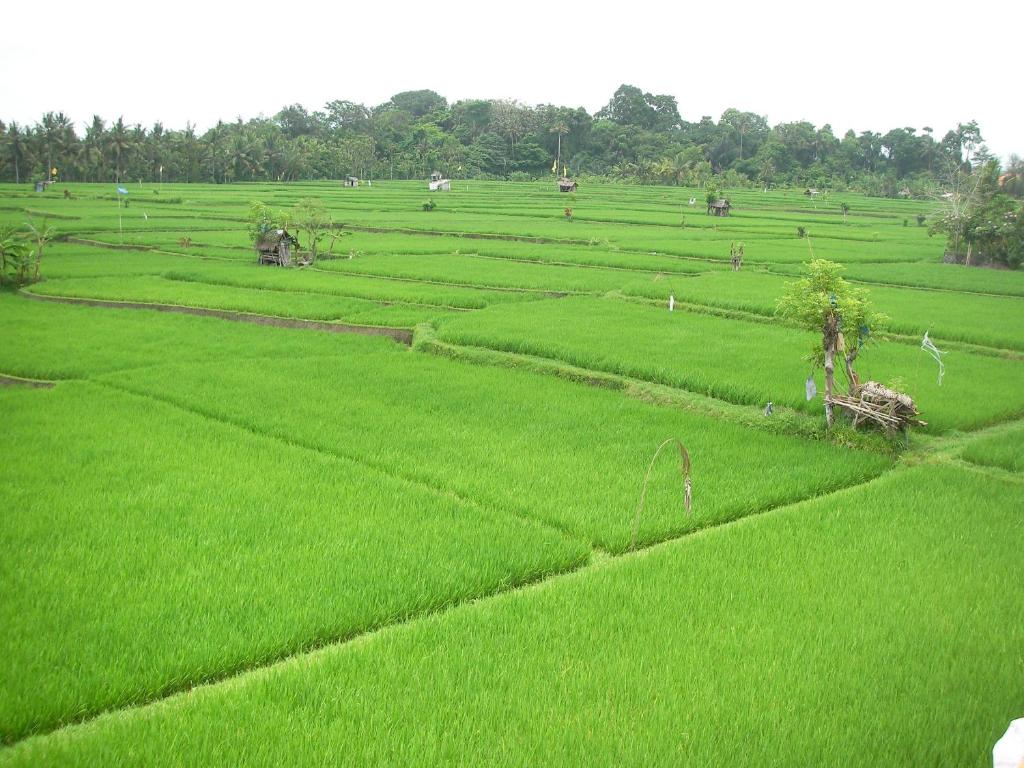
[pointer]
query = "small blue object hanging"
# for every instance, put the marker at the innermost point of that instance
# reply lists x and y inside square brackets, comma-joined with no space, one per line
[810,388]
[122,191]
[769,409]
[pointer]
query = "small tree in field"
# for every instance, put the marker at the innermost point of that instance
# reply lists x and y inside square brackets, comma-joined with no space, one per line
[262,219]
[823,302]
[42,234]
[16,257]
[310,215]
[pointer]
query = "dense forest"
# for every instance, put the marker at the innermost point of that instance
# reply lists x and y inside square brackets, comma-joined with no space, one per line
[637,137]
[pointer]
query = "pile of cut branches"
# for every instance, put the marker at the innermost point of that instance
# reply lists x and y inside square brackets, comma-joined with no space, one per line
[886,407]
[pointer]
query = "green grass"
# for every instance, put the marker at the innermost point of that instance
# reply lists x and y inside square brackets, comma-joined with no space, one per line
[173,548]
[835,632]
[295,304]
[1005,450]
[950,277]
[996,321]
[58,341]
[203,500]
[734,360]
[570,457]
[475,271]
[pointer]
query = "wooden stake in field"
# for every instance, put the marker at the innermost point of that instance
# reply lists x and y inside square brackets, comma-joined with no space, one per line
[684,471]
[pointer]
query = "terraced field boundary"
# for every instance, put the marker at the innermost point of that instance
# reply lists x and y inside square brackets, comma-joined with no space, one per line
[401,335]
[17,381]
[599,558]
[758,317]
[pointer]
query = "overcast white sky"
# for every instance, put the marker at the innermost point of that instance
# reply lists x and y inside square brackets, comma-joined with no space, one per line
[861,65]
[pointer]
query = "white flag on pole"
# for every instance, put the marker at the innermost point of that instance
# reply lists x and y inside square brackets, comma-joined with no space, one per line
[935,352]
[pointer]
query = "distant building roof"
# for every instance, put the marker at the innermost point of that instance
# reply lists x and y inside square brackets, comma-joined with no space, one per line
[272,239]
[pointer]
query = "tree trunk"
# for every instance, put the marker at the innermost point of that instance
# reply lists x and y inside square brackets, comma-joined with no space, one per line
[851,375]
[830,353]
[830,337]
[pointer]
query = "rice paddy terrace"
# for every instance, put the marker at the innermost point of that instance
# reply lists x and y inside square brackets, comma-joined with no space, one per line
[382,510]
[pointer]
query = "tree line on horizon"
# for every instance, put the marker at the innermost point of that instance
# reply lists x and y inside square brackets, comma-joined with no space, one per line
[637,137]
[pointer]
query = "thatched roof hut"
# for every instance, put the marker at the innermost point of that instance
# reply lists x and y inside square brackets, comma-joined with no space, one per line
[275,247]
[566,185]
[719,207]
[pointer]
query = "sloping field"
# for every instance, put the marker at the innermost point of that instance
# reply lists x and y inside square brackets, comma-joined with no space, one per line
[822,628]
[403,506]
[175,549]
[743,362]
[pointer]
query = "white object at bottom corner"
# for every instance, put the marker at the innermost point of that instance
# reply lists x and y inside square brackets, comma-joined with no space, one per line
[1009,750]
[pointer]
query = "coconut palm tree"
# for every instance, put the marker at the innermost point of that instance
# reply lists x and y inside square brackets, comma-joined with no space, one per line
[17,149]
[120,144]
[57,134]
[190,148]
[94,149]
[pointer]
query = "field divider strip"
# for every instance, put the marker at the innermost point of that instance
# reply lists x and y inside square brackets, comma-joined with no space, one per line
[476,286]
[581,265]
[287,291]
[418,482]
[10,380]
[599,559]
[785,421]
[466,235]
[767,267]
[402,335]
[767,319]
[995,473]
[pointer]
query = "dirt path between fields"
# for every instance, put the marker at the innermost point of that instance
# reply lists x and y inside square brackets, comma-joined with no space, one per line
[15,381]
[401,335]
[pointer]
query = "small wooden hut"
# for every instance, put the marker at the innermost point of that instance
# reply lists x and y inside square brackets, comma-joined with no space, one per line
[352,181]
[436,176]
[275,247]
[440,185]
[566,185]
[719,207]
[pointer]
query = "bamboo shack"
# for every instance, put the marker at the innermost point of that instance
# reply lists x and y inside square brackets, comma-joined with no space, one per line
[719,207]
[440,185]
[275,247]
[352,181]
[566,184]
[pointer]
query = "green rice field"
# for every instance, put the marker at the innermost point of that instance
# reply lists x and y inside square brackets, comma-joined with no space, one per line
[402,506]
